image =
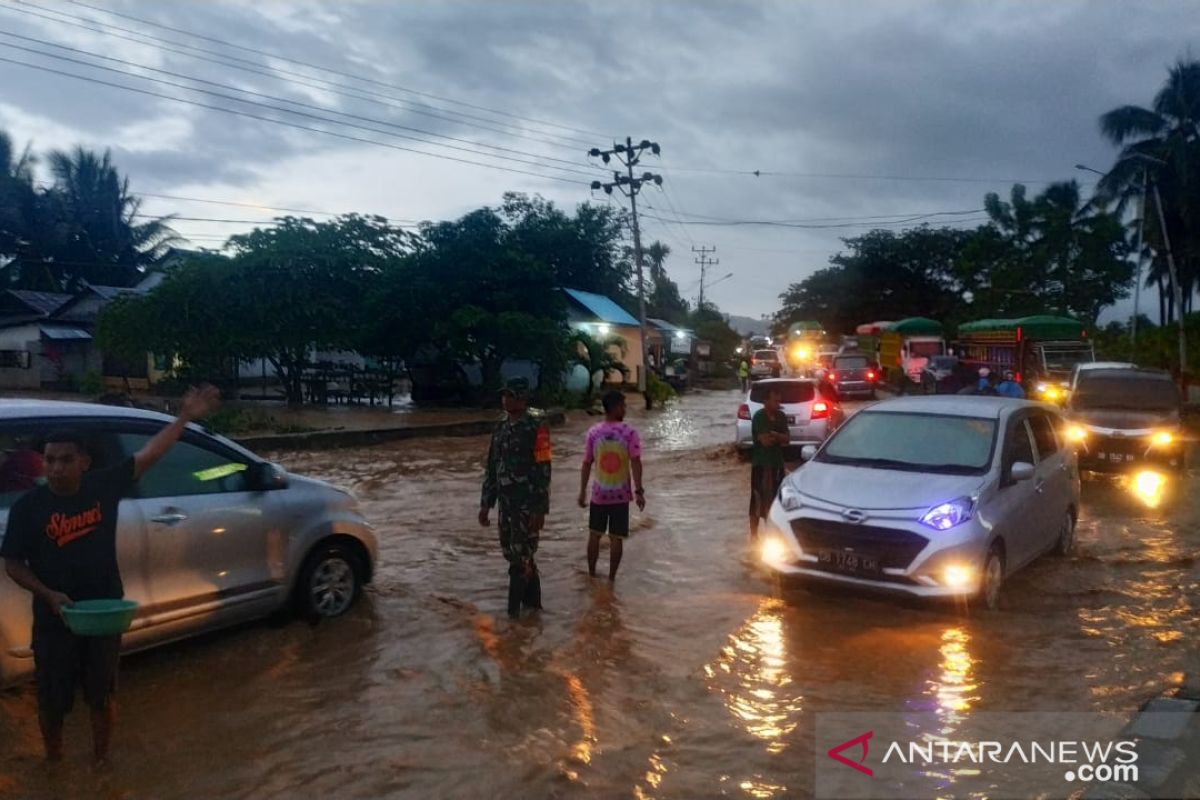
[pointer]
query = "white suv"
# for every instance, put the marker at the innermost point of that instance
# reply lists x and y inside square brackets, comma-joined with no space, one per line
[811,415]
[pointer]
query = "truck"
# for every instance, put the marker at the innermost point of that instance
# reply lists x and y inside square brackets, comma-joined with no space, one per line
[1042,351]
[804,342]
[905,348]
[868,335]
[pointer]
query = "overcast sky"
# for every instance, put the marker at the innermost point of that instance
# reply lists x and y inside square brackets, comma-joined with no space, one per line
[860,106]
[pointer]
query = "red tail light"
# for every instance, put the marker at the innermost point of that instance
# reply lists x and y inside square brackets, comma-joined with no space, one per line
[743,411]
[870,375]
[753,361]
[820,410]
[833,376]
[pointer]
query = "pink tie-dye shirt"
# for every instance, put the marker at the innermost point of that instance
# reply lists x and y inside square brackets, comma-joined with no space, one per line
[611,446]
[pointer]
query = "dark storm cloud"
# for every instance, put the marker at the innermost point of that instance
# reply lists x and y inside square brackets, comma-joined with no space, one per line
[967,89]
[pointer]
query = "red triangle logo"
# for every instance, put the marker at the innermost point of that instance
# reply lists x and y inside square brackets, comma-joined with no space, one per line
[836,753]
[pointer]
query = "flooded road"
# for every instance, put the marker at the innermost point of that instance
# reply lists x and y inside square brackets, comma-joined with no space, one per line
[696,676]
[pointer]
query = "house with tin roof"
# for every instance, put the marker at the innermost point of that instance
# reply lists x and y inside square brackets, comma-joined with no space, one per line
[603,319]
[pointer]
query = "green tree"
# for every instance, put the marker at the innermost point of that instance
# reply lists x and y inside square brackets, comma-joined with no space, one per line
[664,301]
[98,233]
[1161,144]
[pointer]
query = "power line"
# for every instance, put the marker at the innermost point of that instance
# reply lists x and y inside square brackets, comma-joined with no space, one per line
[303,114]
[338,72]
[851,176]
[804,226]
[855,218]
[284,123]
[226,60]
[574,164]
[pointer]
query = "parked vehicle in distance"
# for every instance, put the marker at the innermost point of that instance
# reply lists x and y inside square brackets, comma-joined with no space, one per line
[1042,351]
[854,376]
[765,364]
[811,415]
[941,375]
[211,536]
[905,347]
[1123,418]
[934,497]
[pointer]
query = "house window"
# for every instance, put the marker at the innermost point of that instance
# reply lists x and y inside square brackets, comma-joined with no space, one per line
[15,359]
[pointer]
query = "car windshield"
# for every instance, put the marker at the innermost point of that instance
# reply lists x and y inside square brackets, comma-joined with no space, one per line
[1133,393]
[914,442]
[851,362]
[766,355]
[925,348]
[790,392]
[943,362]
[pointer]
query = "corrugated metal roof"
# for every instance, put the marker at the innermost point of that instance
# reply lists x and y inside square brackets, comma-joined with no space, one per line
[603,308]
[63,333]
[41,302]
[663,325]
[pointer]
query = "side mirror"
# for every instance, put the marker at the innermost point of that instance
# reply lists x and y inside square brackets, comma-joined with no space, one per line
[265,476]
[808,452]
[1021,471]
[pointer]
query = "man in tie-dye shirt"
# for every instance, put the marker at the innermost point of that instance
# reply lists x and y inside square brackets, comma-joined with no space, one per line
[615,449]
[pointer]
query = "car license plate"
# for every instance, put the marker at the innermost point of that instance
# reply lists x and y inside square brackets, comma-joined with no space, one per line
[853,563]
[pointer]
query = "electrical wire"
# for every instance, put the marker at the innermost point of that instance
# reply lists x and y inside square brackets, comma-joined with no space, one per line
[338,72]
[805,226]
[302,114]
[274,98]
[168,45]
[296,126]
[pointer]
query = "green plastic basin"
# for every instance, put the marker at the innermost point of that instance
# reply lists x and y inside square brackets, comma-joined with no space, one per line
[100,617]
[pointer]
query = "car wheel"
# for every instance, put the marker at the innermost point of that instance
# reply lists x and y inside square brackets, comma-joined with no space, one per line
[1066,535]
[992,580]
[330,582]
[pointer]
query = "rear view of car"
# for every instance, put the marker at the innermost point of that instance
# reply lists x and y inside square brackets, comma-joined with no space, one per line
[811,416]
[854,376]
[1126,418]
[765,364]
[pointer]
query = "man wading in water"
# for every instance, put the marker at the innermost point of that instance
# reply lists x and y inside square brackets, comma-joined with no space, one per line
[616,451]
[769,430]
[61,545]
[517,476]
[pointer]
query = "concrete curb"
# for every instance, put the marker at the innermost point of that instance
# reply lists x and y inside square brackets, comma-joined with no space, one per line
[1167,730]
[330,440]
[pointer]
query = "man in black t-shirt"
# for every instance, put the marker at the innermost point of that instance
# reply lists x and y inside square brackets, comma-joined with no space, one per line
[61,545]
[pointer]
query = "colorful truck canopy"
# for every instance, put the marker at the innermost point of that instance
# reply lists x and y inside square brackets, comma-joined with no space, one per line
[916,326]
[1041,327]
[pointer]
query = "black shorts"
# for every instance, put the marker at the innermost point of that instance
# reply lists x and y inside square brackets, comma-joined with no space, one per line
[63,661]
[764,486]
[611,519]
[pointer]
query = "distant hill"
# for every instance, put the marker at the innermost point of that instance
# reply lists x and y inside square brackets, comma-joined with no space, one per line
[748,326]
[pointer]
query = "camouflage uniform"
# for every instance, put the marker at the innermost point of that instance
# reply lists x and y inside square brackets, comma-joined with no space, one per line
[517,476]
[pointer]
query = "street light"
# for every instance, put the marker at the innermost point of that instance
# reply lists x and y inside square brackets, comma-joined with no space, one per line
[1176,288]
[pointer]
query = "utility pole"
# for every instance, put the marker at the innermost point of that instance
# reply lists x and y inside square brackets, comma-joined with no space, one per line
[1177,293]
[629,154]
[705,262]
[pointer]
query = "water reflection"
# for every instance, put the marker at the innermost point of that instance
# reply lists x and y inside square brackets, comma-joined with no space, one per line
[752,677]
[954,688]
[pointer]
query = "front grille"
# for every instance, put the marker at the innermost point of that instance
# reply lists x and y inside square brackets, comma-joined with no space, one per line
[894,548]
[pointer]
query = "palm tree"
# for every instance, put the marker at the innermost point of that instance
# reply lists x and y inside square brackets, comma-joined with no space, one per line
[1161,145]
[99,232]
[18,209]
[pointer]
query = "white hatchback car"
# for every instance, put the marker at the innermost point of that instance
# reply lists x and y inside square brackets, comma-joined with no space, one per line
[936,497]
[811,415]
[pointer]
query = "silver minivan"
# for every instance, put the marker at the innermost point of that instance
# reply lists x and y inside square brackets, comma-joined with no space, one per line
[940,496]
[211,536]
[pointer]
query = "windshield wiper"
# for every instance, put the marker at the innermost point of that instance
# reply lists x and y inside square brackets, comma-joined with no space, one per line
[883,463]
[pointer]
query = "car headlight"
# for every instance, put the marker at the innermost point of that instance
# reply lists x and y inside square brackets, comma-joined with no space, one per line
[1162,438]
[947,515]
[789,498]
[1076,433]
[1042,387]
[773,550]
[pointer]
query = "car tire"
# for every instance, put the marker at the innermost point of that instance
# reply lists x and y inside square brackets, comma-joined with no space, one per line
[1066,535]
[991,580]
[330,582]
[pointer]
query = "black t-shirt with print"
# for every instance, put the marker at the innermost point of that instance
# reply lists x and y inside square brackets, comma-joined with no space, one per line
[70,542]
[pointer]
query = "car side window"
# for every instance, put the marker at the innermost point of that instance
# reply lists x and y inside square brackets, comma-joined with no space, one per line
[187,469]
[1019,446]
[1043,435]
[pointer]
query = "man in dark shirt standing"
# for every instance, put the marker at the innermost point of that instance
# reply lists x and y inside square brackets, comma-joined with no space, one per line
[771,435]
[61,545]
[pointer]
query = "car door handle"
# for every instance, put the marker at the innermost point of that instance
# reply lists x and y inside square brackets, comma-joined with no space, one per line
[169,518]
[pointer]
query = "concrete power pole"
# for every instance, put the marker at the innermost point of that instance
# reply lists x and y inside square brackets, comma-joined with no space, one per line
[629,154]
[705,262]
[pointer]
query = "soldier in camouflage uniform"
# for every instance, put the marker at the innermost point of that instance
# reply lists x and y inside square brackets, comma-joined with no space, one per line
[517,475]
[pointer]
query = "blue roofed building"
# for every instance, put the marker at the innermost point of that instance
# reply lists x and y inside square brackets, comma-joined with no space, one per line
[602,319]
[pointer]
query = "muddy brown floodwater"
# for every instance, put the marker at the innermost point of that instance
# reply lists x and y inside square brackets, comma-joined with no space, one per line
[695,677]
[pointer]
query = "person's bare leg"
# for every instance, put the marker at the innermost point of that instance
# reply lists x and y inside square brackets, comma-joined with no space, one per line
[615,546]
[593,552]
[52,735]
[102,727]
